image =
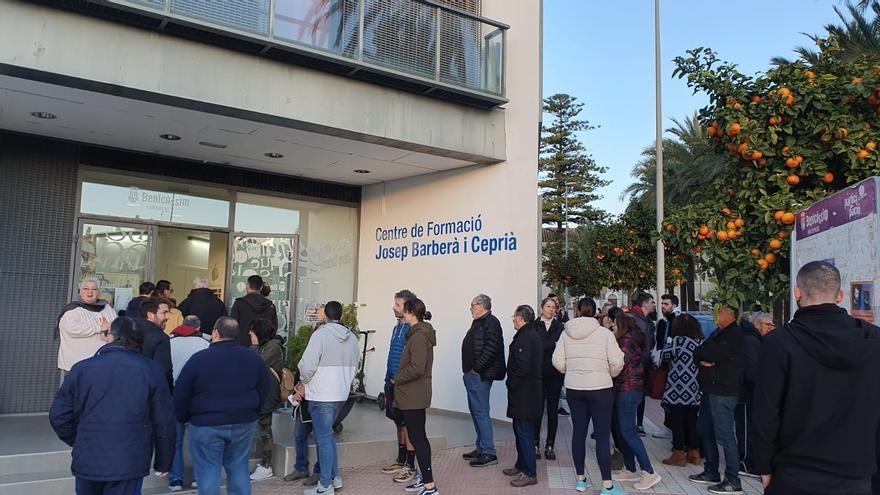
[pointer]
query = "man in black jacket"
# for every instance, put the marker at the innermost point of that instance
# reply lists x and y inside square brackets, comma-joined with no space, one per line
[721,362]
[250,307]
[524,367]
[202,302]
[482,362]
[817,398]
[744,407]
[157,345]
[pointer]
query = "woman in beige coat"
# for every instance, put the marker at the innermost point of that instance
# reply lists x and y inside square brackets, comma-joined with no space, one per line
[588,355]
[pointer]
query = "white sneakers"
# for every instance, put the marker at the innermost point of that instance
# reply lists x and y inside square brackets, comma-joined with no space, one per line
[261,473]
[647,481]
[644,482]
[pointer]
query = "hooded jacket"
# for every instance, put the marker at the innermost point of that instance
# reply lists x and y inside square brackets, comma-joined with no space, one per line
[632,377]
[329,363]
[413,381]
[588,355]
[817,401]
[524,368]
[247,309]
[204,304]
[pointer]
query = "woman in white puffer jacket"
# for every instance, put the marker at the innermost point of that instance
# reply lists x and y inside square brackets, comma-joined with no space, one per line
[588,354]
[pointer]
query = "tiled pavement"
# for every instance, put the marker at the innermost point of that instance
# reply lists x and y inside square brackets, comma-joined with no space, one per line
[455,477]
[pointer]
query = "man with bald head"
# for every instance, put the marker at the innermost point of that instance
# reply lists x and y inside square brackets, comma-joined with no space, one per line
[817,396]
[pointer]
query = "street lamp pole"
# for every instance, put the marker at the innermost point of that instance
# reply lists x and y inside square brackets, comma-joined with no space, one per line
[565,242]
[661,261]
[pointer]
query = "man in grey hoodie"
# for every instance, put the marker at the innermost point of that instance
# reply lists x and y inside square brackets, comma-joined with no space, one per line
[327,370]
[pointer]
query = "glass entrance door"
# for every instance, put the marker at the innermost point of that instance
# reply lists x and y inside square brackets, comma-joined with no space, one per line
[270,256]
[119,255]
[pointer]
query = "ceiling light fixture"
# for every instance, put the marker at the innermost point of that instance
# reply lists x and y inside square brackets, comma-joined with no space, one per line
[44,115]
[212,145]
[361,171]
[170,137]
[273,155]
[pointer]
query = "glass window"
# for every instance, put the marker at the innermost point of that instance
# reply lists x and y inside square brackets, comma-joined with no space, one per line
[272,259]
[152,203]
[265,215]
[118,257]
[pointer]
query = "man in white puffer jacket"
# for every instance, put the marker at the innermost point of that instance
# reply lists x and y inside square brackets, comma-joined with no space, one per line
[327,368]
[588,354]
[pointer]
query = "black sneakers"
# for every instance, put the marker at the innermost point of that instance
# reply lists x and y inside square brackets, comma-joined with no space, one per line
[562,412]
[470,455]
[726,487]
[484,460]
[704,478]
[549,453]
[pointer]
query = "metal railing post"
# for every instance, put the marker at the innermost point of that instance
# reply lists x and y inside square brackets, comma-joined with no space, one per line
[437,46]
[361,8]
[272,19]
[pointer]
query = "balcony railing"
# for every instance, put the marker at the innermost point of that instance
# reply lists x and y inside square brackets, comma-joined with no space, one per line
[439,47]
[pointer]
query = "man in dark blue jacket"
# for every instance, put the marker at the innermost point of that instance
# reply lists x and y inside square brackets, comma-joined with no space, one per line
[113,409]
[220,392]
[157,344]
[404,466]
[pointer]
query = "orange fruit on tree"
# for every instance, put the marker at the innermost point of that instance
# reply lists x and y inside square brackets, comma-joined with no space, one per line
[721,235]
[775,244]
[784,92]
[731,225]
[734,129]
[757,155]
[762,163]
[788,218]
[711,234]
[704,229]
[856,80]
[828,178]
[871,146]
[770,257]
[862,154]
[756,252]
[791,162]
[762,263]
[793,180]
[778,215]
[742,148]
[785,150]
[670,228]
[739,223]
[726,211]
[732,234]
[782,234]
[756,99]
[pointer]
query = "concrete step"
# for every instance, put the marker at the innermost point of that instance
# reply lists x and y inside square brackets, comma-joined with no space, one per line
[34,463]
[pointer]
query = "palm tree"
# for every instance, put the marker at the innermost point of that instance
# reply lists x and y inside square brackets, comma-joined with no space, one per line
[858,37]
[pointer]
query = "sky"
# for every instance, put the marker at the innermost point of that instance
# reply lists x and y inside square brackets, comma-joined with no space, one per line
[602,52]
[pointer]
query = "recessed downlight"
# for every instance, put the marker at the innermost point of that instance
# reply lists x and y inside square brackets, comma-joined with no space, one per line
[170,137]
[212,145]
[44,115]
[361,171]
[273,155]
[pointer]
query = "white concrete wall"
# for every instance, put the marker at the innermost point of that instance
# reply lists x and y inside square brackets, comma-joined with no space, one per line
[70,44]
[503,195]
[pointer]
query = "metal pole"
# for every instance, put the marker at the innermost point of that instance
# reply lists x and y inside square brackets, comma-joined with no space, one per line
[661,261]
[566,244]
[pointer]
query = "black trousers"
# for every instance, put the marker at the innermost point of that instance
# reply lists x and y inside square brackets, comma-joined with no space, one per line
[552,391]
[415,428]
[743,417]
[682,421]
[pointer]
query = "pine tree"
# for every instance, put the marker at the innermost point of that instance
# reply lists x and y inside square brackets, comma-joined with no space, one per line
[565,167]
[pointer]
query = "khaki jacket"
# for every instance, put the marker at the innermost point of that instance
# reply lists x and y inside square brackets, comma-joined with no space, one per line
[412,383]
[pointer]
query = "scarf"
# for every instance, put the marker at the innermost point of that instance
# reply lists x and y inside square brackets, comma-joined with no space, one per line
[79,303]
[186,331]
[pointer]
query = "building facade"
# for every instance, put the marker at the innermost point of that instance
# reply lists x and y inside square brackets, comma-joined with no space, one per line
[342,149]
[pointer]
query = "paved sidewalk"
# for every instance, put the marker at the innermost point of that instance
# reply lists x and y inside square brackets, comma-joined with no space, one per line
[455,477]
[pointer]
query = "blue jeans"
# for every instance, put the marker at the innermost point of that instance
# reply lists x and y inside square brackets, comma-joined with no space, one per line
[524,429]
[224,446]
[478,403]
[177,472]
[633,448]
[323,416]
[718,428]
[301,444]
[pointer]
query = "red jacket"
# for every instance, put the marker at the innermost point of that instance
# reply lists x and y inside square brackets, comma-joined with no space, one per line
[632,378]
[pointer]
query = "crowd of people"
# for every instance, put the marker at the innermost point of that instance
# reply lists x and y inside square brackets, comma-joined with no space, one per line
[798,406]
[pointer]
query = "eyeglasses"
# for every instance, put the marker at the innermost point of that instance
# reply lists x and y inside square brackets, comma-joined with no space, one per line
[105,333]
[474,305]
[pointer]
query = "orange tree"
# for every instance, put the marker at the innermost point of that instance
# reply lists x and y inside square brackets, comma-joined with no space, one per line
[619,254]
[790,137]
